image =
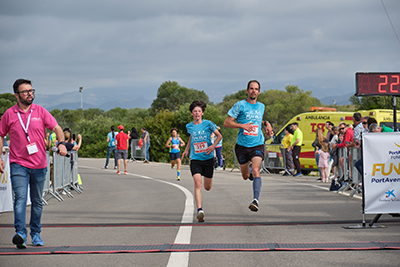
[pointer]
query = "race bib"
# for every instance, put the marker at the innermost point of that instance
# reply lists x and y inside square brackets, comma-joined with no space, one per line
[254,131]
[200,147]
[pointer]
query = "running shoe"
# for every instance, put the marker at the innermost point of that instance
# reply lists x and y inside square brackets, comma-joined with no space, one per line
[37,240]
[118,172]
[251,178]
[125,172]
[200,216]
[105,167]
[298,174]
[254,205]
[172,167]
[19,240]
[178,178]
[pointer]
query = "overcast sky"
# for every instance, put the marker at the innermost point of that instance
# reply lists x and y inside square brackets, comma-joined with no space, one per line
[215,46]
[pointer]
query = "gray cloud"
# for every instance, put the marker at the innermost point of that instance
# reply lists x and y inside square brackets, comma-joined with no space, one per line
[215,46]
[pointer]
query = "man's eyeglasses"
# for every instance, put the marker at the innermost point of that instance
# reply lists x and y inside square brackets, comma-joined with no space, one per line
[26,92]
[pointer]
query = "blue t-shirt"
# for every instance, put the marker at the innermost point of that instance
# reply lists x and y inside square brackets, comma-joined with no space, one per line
[176,143]
[245,112]
[200,139]
[111,143]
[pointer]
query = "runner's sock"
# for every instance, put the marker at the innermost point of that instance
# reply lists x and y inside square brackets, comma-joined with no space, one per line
[178,173]
[257,187]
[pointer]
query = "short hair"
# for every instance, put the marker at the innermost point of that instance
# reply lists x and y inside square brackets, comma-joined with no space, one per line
[366,117]
[18,82]
[295,123]
[370,121]
[357,116]
[197,103]
[373,127]
[144,128]
[289,129]
[173,129]
[254,81]
[330,123]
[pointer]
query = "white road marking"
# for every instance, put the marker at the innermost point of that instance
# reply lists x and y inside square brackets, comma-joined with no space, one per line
[177,259]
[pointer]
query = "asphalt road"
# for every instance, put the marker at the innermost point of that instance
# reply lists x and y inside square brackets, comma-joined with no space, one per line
[149,207]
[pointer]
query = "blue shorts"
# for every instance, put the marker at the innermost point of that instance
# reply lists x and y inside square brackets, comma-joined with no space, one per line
[174,156]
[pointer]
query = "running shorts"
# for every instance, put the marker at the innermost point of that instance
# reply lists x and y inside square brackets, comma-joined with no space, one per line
[245,154]
[204,167]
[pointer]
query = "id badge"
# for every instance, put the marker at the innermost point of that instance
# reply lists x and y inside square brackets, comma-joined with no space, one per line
[32,148]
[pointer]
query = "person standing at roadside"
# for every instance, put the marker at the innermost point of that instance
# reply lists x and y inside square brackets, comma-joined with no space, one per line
[112,147]
[26,124]
[295,146]
[288,153]
[146,141]
[174,143]
[122,141]
[201,152]
[246,115]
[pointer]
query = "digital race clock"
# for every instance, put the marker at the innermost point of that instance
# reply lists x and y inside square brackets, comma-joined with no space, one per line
[377,83]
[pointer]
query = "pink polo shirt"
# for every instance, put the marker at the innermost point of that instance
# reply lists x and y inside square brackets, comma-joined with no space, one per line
[40,119]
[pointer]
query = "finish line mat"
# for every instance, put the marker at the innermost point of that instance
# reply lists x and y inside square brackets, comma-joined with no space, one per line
[169,247]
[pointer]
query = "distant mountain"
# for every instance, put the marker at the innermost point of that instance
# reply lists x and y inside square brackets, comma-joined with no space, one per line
[102,98]
[340,100]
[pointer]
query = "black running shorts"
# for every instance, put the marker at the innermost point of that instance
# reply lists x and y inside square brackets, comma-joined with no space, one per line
[204,167]
[245,154]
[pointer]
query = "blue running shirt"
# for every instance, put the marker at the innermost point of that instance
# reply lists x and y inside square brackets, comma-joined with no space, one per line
[244,112]
[174,145]
[200,139]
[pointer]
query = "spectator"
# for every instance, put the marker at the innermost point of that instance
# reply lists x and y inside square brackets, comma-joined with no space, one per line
[358,129]
[146,141]
[295,146]
[317,145]
[133,134]
[374,128]
[329,126]
[218,150]
[347,140]
[28,164]
[70,143]
[122,141]
[6,144]
[334,152]
[323,161]
[288,153]
[112,147]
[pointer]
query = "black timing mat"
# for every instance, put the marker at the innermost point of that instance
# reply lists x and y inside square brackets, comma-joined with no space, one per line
[169,247]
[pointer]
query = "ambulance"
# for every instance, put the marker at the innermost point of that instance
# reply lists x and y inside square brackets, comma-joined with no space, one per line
[308,123]
[317,117]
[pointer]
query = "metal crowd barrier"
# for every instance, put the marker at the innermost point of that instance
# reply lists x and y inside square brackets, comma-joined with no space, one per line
[275,158]
[61,177]
[235,161]
[350,178]
[136,151]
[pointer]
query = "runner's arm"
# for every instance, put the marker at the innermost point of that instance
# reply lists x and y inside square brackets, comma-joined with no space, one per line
[168,142]
[230,123]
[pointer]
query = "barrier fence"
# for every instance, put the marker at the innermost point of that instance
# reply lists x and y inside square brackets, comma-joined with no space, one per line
[348,175]
[137,152]
[61,178]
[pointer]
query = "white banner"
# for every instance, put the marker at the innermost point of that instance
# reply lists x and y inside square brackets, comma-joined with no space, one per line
[381,165]
[6,202]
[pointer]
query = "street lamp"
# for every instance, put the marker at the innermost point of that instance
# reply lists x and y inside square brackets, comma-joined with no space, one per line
[81,91]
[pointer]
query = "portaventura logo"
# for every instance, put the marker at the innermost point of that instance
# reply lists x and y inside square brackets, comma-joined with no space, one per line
[395,154]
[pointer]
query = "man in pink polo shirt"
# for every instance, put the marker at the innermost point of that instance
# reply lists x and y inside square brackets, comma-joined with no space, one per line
[25,123]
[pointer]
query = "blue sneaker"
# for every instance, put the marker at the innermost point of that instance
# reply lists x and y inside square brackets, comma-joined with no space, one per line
[19,240]
[37,240]
[298,174]
[200,216]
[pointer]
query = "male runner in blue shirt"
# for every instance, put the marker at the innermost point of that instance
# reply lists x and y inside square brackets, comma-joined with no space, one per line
[248,114]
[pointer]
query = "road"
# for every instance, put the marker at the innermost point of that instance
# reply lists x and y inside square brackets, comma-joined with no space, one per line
[139,218]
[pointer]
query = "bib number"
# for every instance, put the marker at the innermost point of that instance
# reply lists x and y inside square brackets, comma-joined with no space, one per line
[253,132]
[200,147]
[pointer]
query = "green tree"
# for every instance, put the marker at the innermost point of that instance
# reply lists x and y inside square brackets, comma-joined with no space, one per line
[171,96]
[7,100]
[373,102]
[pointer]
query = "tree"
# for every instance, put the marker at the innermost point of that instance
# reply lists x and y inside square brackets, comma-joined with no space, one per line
[7,100]
[171,96]
[373,102]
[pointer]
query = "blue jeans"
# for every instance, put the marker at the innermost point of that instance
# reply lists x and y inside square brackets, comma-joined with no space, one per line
[358,165]
[147,151]
[21,177]
[109,151]
[218,151]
